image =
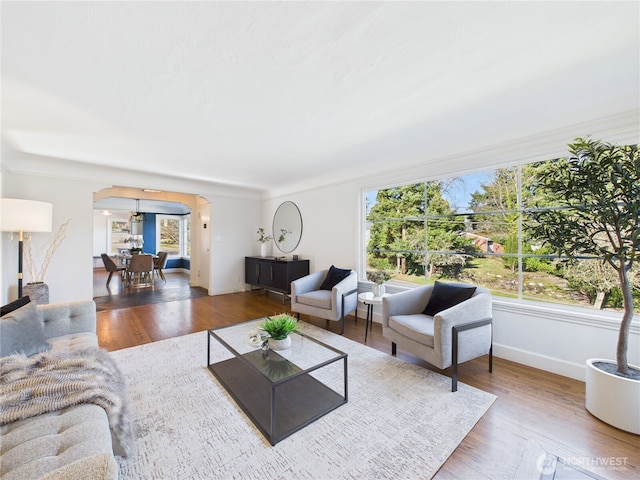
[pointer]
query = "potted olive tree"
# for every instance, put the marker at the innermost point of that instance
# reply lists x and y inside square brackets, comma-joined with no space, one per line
[597,190]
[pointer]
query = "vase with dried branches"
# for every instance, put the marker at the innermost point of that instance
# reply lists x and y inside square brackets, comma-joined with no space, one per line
[36,289]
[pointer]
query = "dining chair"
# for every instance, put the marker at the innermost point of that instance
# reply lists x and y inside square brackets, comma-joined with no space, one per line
[111,267]
[140,270]
[159,263]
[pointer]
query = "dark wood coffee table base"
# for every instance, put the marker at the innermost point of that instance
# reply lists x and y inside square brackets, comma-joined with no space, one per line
[277,405]
[292,406]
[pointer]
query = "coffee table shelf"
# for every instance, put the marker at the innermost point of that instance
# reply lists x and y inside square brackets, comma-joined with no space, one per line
[281,392]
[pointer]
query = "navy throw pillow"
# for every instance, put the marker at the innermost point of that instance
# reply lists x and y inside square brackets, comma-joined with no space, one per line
[446,295]
[334,277]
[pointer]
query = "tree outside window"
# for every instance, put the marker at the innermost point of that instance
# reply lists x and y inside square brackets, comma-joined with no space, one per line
[174,234]
[470,228]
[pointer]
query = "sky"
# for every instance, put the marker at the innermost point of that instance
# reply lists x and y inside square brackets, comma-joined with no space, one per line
[458,194]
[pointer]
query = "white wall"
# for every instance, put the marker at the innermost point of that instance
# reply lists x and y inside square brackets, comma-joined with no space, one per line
[100,233]
[559,339]
[330,225]
[233,225]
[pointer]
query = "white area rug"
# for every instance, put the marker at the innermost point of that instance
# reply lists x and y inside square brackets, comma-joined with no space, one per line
[401,421]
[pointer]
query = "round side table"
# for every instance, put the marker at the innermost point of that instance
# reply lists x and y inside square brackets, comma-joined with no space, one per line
[369,300]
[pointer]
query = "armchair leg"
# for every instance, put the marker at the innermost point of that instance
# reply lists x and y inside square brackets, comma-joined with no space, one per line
[491,356]
[393,348]
[455,330]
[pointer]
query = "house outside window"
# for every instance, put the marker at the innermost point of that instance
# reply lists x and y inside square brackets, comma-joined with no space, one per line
[472,229]
[173,234]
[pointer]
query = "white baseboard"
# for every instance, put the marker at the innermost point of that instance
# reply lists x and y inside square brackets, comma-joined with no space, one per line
[542,362]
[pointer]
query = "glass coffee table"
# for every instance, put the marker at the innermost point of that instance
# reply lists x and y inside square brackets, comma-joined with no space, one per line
[280,391]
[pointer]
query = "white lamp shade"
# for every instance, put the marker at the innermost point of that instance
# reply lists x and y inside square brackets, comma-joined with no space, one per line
[25,215]
[136,228]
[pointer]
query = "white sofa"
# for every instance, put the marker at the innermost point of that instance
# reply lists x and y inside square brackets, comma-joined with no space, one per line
[75,442]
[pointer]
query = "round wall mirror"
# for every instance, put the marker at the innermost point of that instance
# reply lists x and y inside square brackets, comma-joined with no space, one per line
[287,227]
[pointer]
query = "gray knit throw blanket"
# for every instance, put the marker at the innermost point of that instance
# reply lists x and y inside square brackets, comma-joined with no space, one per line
[51,381]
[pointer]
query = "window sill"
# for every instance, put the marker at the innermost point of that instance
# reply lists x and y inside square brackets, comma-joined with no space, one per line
[563,313]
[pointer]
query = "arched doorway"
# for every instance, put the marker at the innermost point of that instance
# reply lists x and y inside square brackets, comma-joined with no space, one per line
[160,211]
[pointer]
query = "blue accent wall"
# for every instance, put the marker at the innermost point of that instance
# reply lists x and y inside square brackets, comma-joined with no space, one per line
[149,233]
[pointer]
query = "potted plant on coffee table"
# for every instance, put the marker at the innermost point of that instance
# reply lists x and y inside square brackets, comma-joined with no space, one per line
[598,188]
[278,328]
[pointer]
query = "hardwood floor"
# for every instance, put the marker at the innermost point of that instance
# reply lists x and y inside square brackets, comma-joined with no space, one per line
[535,413]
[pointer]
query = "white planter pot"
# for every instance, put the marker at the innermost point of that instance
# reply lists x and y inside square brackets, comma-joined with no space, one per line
[378,290]
[264,249]
[613,399]
[280,344]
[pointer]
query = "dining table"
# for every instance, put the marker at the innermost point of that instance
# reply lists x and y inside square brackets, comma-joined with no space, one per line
[137,278]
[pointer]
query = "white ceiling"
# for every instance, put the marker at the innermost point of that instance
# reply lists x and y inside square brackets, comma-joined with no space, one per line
[264,93]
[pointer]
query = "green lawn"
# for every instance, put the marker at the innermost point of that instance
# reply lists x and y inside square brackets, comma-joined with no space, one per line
[491,273]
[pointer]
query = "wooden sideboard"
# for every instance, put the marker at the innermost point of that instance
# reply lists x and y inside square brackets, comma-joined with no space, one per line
[272,274]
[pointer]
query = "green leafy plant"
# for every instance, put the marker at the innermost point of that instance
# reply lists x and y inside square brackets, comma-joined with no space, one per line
[378,276]
[283,234]
[279,326]
[263,237]
[598,188]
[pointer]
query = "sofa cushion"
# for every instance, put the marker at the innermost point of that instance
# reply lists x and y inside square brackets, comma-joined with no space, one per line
[446,295]
[16,304]
[418,327]
[75,342]
[317,298]
[41,445]
[21,332]
[334,277]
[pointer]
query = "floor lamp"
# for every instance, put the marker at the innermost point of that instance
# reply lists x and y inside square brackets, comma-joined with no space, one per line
[24,216]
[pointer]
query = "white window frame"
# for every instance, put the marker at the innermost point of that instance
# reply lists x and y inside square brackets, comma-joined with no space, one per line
[183,241]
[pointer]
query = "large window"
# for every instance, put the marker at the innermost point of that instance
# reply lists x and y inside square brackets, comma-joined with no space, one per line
[473,228]
[119,236]
[173,234]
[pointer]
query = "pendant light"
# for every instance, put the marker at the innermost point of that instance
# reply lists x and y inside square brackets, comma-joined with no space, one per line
[136,220]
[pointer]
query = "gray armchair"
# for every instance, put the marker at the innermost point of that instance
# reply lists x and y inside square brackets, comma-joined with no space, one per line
[446,337]
[333,304]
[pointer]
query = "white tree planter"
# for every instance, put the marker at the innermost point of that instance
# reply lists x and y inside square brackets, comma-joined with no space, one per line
[613,399]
